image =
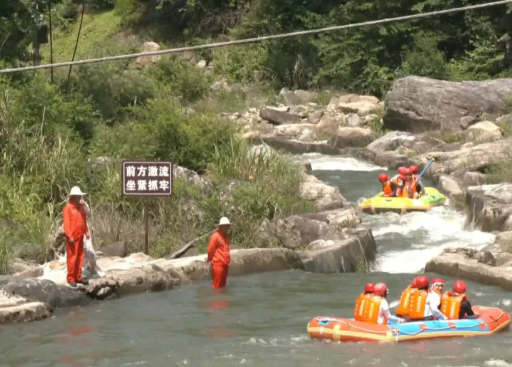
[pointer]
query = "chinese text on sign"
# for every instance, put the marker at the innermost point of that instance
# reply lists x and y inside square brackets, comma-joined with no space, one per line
[147,178]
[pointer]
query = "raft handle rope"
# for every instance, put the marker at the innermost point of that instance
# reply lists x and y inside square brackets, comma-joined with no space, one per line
[397,332]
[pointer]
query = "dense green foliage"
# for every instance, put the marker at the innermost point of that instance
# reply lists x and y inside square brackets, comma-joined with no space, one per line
[53,135]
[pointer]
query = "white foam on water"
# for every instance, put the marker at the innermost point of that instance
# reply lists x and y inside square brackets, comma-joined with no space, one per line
[321,162]
[439,229]
[497,363]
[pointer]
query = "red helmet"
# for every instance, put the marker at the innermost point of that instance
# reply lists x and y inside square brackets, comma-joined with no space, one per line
[422,282]
[437,280]
[407,171]
[369,287]
[414,281]
[401,170]
[383,177]
[413,169]
[380,289]
[459,286]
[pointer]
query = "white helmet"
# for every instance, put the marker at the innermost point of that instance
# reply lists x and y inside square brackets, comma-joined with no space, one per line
[75,191]
[224,221]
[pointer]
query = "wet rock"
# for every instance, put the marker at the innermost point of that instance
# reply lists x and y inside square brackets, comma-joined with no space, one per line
[391,141]
[419,104]
[298,231]
[392,160]
[489,207]
[294,146]
[452,189]
[483,132]
[14,309]
[503,241]
[139,279]
[354,253]
[323,196]
[118,249]
[473,179]
[42,290]
[351,137]
[466,265]
[277,117]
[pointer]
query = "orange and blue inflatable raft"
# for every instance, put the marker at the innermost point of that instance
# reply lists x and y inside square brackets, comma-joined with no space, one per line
[491,320]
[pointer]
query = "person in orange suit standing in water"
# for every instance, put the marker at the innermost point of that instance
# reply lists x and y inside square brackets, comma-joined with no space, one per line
[75,227]
[218,253]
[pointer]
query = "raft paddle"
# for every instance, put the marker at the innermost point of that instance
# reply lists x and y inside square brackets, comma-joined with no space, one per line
[424,170]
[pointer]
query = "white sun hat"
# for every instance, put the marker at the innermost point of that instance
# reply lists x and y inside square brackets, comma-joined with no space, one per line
[75,191]
[224,221]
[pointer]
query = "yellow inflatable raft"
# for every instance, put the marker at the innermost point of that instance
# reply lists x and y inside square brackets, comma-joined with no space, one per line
[381,204]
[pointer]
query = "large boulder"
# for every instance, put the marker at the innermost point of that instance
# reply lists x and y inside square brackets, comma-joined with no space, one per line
[43,290]
[351,137]
[276,117]
[419,104]
[476,158]
[391,141]
[481,267]
[354,253]
[483,132]
[19,309]
[298,231]
[323,196]
[489,207]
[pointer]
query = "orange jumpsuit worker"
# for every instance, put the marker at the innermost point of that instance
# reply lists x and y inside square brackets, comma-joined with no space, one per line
[218,253]
[75,227]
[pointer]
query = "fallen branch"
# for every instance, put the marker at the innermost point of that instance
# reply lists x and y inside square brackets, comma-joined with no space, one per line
[188,246]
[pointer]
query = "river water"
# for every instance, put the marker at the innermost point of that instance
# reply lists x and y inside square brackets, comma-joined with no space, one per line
[260,320]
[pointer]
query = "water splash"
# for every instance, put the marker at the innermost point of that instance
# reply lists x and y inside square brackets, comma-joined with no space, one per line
[424,236]
[320,162]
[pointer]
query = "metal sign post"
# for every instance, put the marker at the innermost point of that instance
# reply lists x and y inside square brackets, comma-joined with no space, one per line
[146,179]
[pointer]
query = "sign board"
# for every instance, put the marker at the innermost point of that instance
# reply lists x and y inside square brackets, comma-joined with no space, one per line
[141,178]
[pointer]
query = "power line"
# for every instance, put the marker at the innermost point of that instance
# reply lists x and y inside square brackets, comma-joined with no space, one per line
[257,39]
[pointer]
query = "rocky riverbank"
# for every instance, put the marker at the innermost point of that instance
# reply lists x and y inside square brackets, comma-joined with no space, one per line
[465,126]
[331,239]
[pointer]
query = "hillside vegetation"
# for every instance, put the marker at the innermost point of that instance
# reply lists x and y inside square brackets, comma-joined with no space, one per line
[54,136]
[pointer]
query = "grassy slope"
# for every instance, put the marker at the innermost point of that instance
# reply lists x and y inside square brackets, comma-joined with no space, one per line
[96,28]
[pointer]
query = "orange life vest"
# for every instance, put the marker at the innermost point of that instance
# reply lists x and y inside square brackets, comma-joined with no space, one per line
[388,190]
[450,305]
[417,305]
[412,188]
[403,192]
[405,301]
[373,310]
[362,305]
